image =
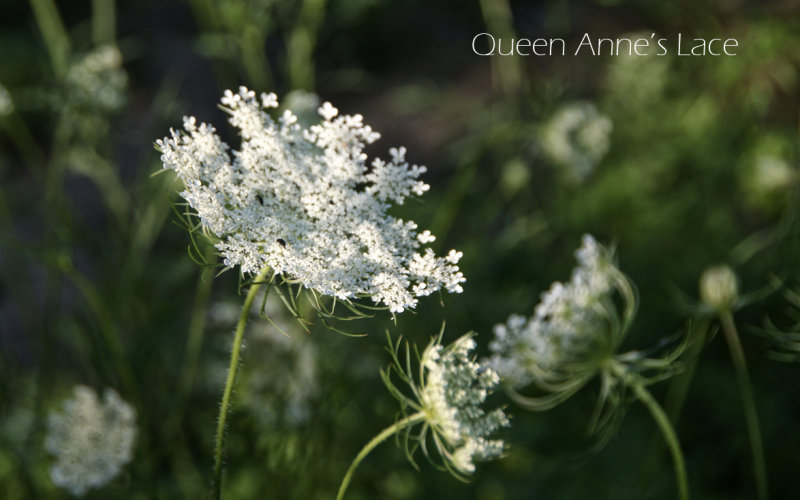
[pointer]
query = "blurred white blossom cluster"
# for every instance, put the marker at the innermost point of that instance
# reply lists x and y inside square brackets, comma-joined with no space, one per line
[304,203]
[97,81]
[576,138]
[571,323]
[6,103]
[90,439]
[452,387]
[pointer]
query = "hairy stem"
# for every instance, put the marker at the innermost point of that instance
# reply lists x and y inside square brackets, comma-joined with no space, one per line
[232,368]
[381,437]
[750,413]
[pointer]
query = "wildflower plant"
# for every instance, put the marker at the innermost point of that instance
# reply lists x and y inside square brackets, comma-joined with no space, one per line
[443,407]
[91,439]
[302,211]
[573,336]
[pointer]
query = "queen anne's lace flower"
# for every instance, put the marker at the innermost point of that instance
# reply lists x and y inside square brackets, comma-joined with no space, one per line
[98,80]
[569,325]
[90,439]
[304,203]
[576,138]
[452,387]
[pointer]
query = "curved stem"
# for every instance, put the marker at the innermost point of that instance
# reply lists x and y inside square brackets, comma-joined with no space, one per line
[750,413]
[53,32]
[392,429]
[232,368]
[664,425]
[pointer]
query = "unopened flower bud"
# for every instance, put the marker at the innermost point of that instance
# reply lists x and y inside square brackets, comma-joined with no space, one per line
[719,288]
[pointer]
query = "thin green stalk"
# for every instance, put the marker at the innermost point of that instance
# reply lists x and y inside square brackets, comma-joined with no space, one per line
[197,325]
[647,399]
[300,45]
[384,434]
[232,368]
[748,400]
[103,22]
[499,20]
[681,382]
[53,32]
[109,331]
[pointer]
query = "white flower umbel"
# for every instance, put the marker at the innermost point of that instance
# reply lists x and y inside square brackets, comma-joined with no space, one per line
[447,398]
[97,81]
[573,336]
[91,440]
[307,204]
[573,324]
[452,388]
[576,138]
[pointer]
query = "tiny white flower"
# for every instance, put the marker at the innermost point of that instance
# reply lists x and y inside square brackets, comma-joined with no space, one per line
[426,237]
[90,439]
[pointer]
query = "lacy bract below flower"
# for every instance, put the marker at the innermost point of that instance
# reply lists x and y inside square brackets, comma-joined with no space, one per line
[304,203]
[90,439]
[452,387]
[574,329]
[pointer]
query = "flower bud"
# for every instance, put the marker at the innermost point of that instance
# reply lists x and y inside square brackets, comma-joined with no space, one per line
[719,288]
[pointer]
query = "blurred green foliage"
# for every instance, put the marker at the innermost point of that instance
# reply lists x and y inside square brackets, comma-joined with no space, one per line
[97,287]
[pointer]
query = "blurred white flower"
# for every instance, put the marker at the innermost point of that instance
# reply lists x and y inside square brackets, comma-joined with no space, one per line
[576,138]
[304,203]
[452,387]
[91,440]
[770,174]
[569,320]
[98,81]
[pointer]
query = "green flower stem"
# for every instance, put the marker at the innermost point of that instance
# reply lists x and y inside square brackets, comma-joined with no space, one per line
[108,329]
[234,365]
[197,324]
[384,434]
[300,45]
[103,22]
[506,71]
[53,32]
[751,415]
[643,395]
[680,383]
